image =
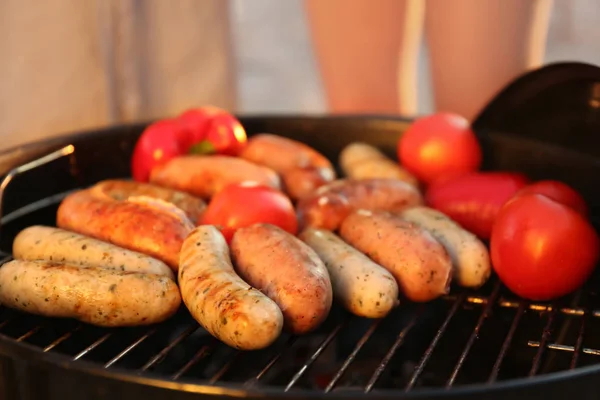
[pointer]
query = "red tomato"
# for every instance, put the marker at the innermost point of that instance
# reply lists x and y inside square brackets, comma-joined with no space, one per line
[439,145]
[473,200]
[542,249]
[558,191]
[245,204]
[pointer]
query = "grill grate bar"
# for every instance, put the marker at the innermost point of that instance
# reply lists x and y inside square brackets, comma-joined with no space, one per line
[475,334]
[225,368]
[562,347]
[507,342]
[427,355]
[399,340]
[542,344]
[315,355]
[578,344]
[200,354]
[159,357]
[92,346]
[6,322]
[363,340]
[130,347]
[29,334]
[289,343]
[62,339]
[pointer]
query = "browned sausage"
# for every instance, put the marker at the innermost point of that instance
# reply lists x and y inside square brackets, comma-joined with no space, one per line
[287,271]
[145,225]
[302,168]
[204,176]
[417,260]
[331,203]
[122,190]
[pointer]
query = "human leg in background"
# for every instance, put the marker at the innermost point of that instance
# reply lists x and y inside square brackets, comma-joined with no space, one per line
[477,47]
[367,53]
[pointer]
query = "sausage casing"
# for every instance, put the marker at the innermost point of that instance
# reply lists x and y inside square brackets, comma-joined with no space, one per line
[420,264]
[226,306]
[204,176]
[302,168]
[287,271]
[94,295]
[360,285]
[331,203]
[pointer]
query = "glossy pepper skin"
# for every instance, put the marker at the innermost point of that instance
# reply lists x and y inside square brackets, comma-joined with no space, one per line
[474,200]
[206,130]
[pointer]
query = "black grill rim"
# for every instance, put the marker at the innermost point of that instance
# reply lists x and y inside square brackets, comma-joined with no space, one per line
[583,377]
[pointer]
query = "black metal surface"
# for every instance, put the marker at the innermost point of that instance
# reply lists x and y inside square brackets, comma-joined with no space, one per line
[466,345]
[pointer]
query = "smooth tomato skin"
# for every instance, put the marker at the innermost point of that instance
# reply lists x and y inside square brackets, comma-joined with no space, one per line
[245,204]
[474,200]
[558,191]
[159,143]
[542,249]
[439,145]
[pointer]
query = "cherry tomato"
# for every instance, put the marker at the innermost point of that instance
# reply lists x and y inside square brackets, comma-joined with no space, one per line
[473,200]
[558,191]
[439,145]
[245,204]
[542,249]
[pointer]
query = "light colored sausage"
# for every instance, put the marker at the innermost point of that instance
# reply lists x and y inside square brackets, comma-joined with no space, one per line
[226,306]
[420,264]
[302,168]
[203,176]
[94,295]
[470,257]
[148,226]
[363,161]
[363,287]
[65,247]
[287,271]
[331,203]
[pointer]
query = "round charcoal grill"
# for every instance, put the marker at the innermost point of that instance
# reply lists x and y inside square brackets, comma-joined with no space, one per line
[466,345]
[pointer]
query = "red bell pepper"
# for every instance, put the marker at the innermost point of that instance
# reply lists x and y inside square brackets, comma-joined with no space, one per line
[474,200]
[206,130]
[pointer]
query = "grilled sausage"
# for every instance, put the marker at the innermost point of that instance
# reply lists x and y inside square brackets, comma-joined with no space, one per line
[361,286]
[204,176]
[417,260]
[363,161]
[331,203]
[287,271]
[61,246]
[145,225]
[122,190]
[94,295]
[226,306]
[470,257]
[302,168]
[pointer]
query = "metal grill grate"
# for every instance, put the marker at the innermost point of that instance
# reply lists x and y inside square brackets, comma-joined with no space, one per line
[466,337]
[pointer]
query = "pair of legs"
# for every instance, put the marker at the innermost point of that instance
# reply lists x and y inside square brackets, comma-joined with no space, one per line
[368,50]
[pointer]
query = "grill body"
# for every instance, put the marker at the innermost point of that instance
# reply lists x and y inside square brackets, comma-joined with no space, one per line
[468,345]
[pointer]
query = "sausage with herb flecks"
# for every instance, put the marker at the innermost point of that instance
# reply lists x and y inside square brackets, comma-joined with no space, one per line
[226,306]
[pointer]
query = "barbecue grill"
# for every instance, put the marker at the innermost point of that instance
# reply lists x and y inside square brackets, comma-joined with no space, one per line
[469,344]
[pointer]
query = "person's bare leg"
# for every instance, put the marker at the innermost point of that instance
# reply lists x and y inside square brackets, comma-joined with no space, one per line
[367,53]
[477,47]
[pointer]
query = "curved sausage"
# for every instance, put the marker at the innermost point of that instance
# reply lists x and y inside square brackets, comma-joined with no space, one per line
[204,176]
[287,271]
[122,190]
[302,168]
[94,295]
[420,264]
[363,161]
[360,285]
[331,203]
[61,246]
[145,225]
[226,306]
[469,255]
